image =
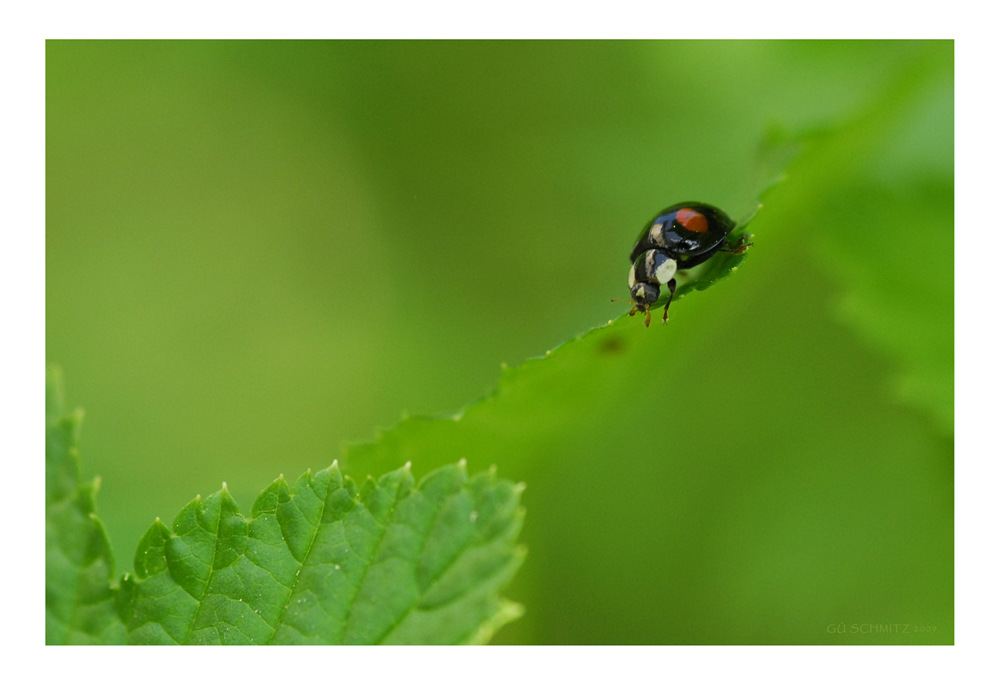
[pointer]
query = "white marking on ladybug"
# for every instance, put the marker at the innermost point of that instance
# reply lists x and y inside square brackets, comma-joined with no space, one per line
[656,235]
[640,292]
[665,271]
[650,261]
[631,277]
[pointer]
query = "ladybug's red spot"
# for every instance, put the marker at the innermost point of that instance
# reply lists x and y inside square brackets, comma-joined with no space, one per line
[692,220]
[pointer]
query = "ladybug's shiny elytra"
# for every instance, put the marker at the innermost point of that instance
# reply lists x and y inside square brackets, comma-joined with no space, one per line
[679,237]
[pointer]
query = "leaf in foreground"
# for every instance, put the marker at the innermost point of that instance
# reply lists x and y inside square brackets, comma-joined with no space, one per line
[79,600]
[319,561]
[323,561]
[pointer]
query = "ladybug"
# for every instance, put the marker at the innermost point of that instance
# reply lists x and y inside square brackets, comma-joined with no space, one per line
[677,238]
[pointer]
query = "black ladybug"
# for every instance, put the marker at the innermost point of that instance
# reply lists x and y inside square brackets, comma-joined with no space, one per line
[677,238]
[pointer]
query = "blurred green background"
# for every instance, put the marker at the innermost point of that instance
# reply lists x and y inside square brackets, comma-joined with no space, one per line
[260,251]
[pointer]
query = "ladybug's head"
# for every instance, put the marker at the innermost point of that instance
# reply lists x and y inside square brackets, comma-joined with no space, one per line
[644,295]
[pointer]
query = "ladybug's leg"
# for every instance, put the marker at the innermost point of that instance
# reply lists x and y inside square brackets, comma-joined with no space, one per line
[672,284]
[741,246]
[632,313]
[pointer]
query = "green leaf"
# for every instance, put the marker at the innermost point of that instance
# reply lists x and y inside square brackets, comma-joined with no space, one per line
[899,295]
[878,198]
[79,600]
[322,561]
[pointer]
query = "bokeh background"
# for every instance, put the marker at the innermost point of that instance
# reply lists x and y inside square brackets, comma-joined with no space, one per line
[259,252]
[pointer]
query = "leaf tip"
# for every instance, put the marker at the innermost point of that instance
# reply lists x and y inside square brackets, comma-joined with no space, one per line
[520,487]
[507,612]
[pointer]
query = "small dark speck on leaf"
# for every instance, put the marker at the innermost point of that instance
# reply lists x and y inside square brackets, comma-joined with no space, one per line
[613,345]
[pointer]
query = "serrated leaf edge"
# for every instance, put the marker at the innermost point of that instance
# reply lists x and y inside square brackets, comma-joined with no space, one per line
[507,611]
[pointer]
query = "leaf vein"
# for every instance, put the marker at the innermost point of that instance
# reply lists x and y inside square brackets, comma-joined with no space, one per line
[305,557]
[208,582]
